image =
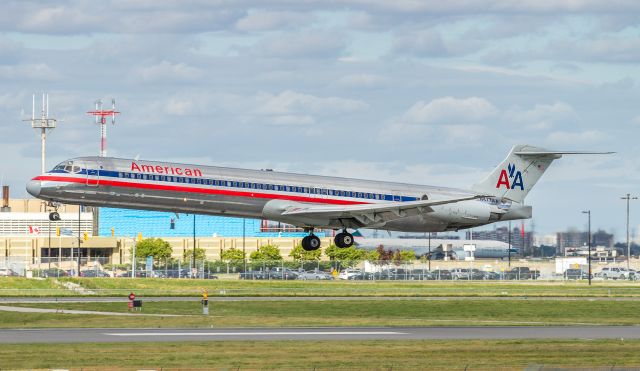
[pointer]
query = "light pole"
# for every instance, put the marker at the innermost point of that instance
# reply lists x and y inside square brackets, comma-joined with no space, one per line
[195,271]
[588,212]
[509,251]
[79,238]
[429,251]
[628,198]
[244,258]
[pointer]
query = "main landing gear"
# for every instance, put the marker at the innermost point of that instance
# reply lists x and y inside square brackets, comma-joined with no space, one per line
[311,242]
[343,239]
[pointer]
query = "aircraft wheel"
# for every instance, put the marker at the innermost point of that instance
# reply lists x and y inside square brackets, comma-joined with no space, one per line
[311,243]
[344,240]
[54,216]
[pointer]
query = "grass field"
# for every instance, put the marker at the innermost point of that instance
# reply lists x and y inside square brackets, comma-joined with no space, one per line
[11,286]
[467,312]
[315,355]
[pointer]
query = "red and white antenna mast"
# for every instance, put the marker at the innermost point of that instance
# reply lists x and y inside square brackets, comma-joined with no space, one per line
[101,118]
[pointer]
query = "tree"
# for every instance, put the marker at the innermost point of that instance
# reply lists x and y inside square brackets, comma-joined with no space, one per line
[266,253]
[156,247]
[402,256]
[232,255]
[300,255]
[350,254]
[384,256]
[188,254]
[372,256]
[233,258]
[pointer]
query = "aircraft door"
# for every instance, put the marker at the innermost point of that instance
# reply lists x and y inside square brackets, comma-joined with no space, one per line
[93,173]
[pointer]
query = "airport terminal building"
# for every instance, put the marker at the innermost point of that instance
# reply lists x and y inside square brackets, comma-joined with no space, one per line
[107,234]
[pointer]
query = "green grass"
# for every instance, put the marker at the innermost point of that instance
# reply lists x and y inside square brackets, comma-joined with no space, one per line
[185,287]
[468,312]
[327,355]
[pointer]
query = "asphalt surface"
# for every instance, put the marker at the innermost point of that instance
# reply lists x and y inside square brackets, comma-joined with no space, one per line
[102,335]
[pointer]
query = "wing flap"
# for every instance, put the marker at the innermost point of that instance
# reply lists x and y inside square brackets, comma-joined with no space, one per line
[372,214]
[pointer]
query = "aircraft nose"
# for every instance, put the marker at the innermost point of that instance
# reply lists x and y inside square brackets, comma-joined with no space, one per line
[33,187]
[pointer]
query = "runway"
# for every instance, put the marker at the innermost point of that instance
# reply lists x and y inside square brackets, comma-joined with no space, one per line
[103,335]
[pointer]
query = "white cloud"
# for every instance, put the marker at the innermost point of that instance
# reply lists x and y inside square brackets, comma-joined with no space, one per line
[362,80]
[450,110]
[35,71]
[542,116]
[272,20]
[568,138]
[427,43]
[288,102]
[167,71]
[309,44]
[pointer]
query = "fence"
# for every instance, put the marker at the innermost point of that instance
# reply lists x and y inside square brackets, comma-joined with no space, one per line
[302,270]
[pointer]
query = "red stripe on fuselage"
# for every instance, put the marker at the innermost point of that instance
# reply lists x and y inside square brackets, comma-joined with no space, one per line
[172,188]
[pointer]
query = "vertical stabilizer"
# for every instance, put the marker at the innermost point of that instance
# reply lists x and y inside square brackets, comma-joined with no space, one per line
[518,173]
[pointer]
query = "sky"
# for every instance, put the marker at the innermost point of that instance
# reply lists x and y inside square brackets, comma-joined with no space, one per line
[426,92]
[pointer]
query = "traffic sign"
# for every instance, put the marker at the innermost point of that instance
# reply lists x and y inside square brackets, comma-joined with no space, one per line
[132,296]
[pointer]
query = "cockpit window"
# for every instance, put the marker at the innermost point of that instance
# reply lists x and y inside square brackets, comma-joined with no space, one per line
[67,167]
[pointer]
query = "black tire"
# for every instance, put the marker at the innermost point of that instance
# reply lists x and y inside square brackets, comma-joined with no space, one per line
[310,243]
[343,240]
[54,216]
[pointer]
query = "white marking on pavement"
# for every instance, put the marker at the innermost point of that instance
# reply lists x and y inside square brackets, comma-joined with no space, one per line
[278,333]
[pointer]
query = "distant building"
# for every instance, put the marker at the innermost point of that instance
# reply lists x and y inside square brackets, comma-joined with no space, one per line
[545,240]
[522,241]
[129,222]
[602,238]
[573,239]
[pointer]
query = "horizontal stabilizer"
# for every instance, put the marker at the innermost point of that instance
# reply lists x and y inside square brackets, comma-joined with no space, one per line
[560,153]
[519,172]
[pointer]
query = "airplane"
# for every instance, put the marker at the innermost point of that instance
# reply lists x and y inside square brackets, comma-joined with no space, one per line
[485,249]
[306,201]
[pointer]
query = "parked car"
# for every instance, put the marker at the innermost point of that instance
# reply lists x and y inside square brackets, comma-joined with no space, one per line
[575,274]
[254,275]
[521,273]
[441,274]
[52,272]
[420,275]
[345,274]
[477,274]
[7,272]
[279,273]
[491,275]
[616,273]
[460,274]
[94,273]
[314,275]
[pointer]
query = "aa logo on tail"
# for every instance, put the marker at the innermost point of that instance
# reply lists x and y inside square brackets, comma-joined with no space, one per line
[514,175]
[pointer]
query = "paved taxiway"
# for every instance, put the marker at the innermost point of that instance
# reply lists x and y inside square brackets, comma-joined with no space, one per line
[324,333]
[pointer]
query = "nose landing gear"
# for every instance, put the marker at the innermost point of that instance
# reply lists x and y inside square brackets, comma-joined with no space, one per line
[54,216]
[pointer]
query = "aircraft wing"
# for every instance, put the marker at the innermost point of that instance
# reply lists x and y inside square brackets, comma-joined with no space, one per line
[371,214]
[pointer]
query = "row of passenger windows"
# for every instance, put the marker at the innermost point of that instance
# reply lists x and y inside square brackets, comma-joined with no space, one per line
[249,185]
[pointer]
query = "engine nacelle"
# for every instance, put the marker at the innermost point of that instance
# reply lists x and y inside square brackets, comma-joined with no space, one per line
[464,212]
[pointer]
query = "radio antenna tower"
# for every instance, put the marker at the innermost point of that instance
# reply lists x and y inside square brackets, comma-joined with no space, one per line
[43,124]
[101,118]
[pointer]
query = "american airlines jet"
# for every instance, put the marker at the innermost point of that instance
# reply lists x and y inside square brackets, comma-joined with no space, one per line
[306,201]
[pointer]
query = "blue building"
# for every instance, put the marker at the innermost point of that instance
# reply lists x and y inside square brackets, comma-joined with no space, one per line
[127,222]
